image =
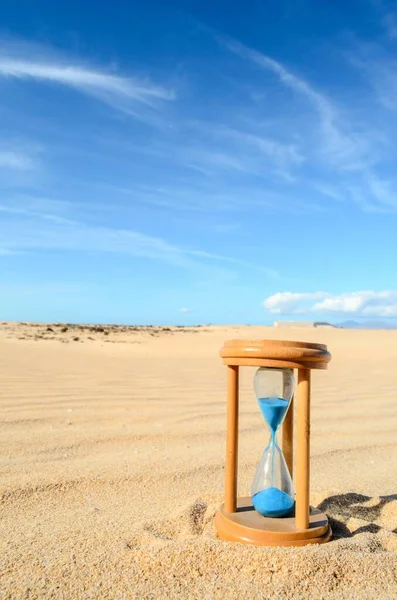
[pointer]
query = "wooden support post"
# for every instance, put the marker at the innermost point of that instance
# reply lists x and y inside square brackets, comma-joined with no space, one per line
[303,451]
[231,440]
[288,437]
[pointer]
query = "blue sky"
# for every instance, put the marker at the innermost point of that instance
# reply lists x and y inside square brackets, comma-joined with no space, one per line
[194,162]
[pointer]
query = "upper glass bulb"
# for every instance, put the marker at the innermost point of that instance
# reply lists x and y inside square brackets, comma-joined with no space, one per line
[274,383]
[274,389]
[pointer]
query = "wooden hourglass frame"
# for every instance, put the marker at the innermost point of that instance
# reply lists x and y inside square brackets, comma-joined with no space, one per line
[237,520]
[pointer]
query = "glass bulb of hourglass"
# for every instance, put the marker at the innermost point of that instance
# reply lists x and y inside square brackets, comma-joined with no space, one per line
[272,489]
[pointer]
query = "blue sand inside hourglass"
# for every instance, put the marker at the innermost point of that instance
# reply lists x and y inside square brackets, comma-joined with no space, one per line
[273,502]
[273,411]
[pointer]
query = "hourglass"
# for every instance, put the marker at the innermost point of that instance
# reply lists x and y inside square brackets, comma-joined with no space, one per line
[273,514]
[272,489]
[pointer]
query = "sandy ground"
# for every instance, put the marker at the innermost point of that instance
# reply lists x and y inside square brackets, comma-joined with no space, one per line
[112,454]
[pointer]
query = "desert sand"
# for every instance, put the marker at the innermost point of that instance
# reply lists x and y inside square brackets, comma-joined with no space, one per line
[112,456]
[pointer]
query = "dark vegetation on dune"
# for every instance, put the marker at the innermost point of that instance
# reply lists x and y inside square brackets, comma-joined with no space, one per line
[74,332]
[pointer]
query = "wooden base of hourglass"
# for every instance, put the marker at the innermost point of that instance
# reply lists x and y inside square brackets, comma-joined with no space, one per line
[237,520]
[249,527]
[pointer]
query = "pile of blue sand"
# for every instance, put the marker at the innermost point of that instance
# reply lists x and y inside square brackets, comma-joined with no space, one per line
[273,502]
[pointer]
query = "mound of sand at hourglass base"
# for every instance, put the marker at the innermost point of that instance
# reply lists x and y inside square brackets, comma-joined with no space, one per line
[112,465]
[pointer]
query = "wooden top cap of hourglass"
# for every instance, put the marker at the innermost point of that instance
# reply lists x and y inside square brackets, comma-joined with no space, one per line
[275,353]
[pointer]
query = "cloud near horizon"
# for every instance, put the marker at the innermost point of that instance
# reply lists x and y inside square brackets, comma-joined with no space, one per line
[358,304]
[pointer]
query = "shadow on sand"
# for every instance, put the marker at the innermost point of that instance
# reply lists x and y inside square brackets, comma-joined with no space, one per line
[342,507]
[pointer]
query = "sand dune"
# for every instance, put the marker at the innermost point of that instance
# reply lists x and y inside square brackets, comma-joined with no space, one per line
[112,450]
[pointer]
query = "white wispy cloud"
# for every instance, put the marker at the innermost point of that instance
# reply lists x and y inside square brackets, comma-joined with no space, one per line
[209,160]
[379,70]
[271,273]
[383,191]
[359,304]
[282,152]
[389,23]
[31,62]
[232,151]
[16,160]
[26,234]
[374,194]
[328,190]
[38,204]
[349,150]
[206,196]
[84,79]
[31,227]
[225,150]
[358,150]
[5,252]
[19,154]
[285,156]
[297,84]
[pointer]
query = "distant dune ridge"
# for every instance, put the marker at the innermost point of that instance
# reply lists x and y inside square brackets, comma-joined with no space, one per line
[112,466]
